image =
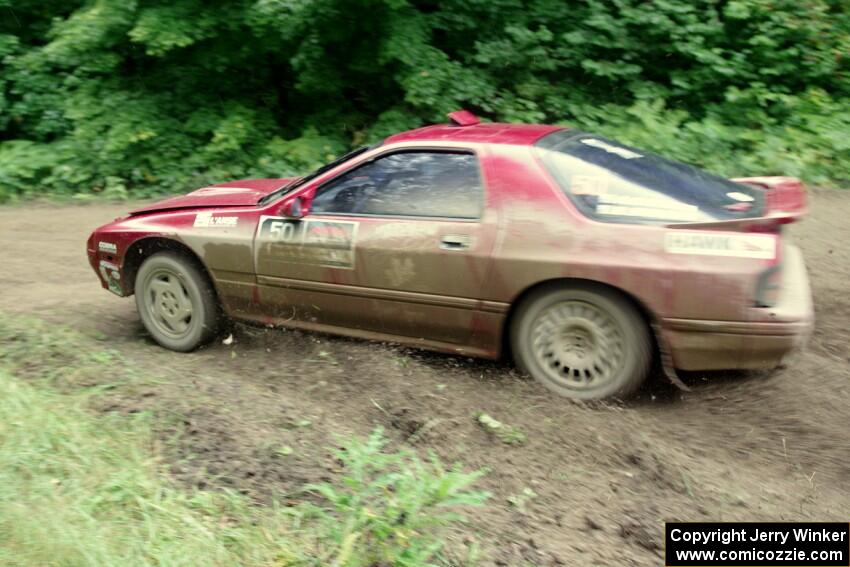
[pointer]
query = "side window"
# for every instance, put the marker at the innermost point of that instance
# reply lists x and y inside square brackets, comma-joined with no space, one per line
[417,183]
[611,182]
[604,195]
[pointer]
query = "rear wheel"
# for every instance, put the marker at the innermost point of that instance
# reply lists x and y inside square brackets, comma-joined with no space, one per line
[583,343]
[176,302]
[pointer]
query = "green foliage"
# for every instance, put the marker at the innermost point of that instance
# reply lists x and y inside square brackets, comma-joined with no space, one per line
[152,96]
[810,143]
[389,508]
[78,488]
[61,357]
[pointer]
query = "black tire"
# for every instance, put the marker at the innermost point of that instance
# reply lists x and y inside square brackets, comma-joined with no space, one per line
[582,342]
[176,302]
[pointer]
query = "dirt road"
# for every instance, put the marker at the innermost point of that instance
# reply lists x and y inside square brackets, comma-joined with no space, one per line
[590,486]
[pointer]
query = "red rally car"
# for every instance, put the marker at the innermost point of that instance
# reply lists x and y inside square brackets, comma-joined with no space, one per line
[579,256]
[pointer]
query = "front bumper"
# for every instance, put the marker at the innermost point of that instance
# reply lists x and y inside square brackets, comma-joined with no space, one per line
[105,266]
[761,342]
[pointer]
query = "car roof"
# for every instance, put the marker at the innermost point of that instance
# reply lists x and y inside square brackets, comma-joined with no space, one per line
[489,133]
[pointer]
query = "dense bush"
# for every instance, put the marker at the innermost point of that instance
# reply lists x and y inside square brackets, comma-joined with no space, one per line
[138,96]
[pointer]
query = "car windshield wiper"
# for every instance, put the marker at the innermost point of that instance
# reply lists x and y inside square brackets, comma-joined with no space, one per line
[298,181]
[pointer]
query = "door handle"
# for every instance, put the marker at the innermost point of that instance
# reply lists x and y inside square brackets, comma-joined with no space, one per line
[456,242]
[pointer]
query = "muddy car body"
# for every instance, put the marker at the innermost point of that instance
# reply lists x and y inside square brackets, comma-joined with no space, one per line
[581,256]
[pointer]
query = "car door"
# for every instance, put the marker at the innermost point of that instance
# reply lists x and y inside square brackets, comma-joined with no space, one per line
[397,245]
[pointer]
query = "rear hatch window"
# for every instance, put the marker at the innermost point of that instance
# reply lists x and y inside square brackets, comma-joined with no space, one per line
[612,182]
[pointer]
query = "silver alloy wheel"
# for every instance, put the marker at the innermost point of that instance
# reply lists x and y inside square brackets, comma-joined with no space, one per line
[168,303]
[577,344]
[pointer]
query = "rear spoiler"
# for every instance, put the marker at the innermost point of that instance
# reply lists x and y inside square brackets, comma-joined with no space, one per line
[784,194]
[785,202]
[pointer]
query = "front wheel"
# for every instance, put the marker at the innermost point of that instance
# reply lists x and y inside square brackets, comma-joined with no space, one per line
[582,343]
[176,302]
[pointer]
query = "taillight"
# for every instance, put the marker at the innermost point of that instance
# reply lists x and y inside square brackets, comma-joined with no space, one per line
[769,283]
[769,286]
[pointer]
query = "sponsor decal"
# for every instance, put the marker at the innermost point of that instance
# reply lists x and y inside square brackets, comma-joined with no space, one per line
[315,242]
[582,184]
[400,271]
[643,207]
[209,220]
[107,247]
[111,276]
[738,196]
[645,212]
[712,243]
[610,148]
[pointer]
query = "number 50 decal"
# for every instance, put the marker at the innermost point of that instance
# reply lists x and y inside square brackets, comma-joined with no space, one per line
[283,230]
[314,242]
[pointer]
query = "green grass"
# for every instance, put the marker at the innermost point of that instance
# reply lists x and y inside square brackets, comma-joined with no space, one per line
[80,488]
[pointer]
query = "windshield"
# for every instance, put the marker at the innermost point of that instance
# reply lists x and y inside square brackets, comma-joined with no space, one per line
[299,181]
[612,182]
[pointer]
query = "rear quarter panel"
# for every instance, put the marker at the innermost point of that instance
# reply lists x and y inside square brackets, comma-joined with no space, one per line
[543,237]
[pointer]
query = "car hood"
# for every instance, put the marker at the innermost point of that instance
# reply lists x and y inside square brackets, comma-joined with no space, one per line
[243,193]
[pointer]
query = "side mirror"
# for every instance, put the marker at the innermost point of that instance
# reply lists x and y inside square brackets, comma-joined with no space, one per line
[296,208]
